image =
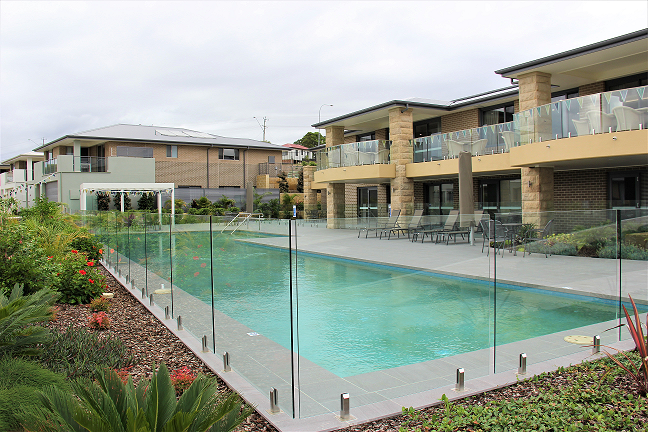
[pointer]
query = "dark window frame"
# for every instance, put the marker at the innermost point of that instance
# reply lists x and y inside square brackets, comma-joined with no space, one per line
[223,156]
[627,82]
[170,151]
[509,110]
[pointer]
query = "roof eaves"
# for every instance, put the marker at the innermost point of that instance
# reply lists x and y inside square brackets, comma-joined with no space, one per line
[598,46]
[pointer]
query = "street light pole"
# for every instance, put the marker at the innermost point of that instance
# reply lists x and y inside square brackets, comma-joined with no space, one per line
[319,119]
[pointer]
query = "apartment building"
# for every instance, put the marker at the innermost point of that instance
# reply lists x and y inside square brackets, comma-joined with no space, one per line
[568,133]
[18,171]
[148,154]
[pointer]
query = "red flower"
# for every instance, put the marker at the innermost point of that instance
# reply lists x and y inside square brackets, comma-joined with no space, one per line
[100,251]
[196,274]
[75,251]
[50,257]
[90,263]
[82,271]
[112,250]
[196,258]
[203,265]
[199,246]
[90,280]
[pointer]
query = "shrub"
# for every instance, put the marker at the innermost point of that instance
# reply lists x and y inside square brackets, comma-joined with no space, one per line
[149,407]
[182,379]
[147,202]
[20,381]
[270,209]
[100,304]
[78,352]
[283,183]
[18,313]
[78,280]
[117,201]
[99,321]
[89,245]
[628,251]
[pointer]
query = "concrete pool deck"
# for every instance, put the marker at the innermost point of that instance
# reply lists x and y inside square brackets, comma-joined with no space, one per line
[384,393]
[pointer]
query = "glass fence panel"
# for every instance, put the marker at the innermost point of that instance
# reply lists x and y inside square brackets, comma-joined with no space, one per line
[379,319]
[250,299]
[554,289]
[624,110]
[633,249]
[190,285]
[137,251]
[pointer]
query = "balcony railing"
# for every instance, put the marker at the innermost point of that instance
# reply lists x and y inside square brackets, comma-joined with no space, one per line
[354,154]
[49,167]
[90,164]
[615,111]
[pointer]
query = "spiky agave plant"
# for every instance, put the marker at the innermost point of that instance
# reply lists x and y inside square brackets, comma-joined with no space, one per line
[110,405]
[638,372]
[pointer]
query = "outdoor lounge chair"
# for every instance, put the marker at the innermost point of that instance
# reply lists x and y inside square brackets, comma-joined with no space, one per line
[449,224]
[452,233]
[413,225]
[392,222]
[543,233]
[493,231]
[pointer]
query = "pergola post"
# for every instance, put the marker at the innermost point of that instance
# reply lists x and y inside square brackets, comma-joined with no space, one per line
[83,200]
[159,205]
[122,201]
[172,206]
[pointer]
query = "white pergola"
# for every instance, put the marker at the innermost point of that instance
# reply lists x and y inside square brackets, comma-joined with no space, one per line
[122,188]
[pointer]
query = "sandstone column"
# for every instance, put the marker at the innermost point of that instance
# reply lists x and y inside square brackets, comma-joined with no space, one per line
[401,132]
[535,90]
[334,192]
[537,195]
[310,195]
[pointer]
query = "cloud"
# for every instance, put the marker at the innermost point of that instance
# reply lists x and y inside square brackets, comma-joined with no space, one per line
[213,66]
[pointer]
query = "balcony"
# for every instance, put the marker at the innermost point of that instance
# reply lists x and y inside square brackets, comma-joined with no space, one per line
[89,164]
[616,111]
[354,154]
[49,166]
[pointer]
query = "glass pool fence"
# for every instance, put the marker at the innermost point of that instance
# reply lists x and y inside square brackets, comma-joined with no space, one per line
[315,312]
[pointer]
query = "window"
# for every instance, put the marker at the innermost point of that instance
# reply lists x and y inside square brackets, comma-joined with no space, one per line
[427,127]
[366,137]
[69,150]
[271,159]
[624,189]
[627,82]
[497,114]
[143,152]
[172,151]
[439,198]
[500,196]
[228,154]
[565,94]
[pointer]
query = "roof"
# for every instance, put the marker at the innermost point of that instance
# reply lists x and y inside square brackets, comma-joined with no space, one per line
[158,134]
[24,156]
[565,55]
[295,146]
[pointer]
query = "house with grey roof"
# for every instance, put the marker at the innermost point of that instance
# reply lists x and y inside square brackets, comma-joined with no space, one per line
[125,153]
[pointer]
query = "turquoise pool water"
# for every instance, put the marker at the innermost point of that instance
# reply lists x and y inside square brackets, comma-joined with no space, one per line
[355,317]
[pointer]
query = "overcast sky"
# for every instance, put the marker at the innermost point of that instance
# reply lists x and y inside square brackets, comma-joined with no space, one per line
[66,67]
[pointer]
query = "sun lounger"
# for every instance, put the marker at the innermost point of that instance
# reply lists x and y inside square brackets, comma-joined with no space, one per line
[391,223]
[449,224]
[413,224]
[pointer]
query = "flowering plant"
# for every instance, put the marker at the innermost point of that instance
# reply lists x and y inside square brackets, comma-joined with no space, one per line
[99,321]
[100,304]
[78,279]
[182,379]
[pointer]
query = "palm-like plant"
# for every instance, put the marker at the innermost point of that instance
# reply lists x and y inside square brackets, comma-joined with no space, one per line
[639,373]
[17,314]
[110,405]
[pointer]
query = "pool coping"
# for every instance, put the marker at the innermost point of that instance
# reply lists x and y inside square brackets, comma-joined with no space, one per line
[364,413]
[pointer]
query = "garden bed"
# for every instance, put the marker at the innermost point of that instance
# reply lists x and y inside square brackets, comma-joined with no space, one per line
[150,343]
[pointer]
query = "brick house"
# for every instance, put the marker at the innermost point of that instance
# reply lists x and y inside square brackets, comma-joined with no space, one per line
[568,133]
[148,154]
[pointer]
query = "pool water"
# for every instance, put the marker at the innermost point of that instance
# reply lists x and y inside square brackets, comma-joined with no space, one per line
[355,317]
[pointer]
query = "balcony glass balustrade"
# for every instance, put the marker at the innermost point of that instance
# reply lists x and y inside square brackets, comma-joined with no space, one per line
[90,164]
[49,166]
[615,111]
[354,154]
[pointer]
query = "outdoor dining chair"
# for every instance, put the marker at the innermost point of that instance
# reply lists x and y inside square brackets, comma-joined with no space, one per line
[542,233]
[494,232]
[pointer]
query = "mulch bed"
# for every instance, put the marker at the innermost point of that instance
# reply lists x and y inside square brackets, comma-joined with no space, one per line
[150,342]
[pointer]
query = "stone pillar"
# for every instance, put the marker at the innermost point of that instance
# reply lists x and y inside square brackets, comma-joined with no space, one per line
[334,192]
[76,151]
[310,195]
[535,90]
[537,195]
[401,132]
[334,136]
[335,205]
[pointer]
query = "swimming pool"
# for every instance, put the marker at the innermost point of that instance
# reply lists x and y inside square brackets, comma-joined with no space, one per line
[354,317]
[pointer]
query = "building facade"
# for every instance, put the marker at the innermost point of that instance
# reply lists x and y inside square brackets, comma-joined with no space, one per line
[148,154]
[568,133]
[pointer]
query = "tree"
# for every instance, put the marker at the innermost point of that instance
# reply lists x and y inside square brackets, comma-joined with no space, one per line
[283,182]
[300,181]
[310,139]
